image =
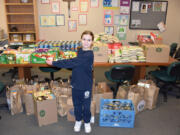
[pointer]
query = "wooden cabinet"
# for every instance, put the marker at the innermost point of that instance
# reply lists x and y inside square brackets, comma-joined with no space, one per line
[22,20]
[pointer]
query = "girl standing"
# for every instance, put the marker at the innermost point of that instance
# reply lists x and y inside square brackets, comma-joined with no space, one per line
[82,80]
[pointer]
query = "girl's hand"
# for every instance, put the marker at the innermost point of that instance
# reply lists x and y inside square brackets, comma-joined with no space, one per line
[49,62]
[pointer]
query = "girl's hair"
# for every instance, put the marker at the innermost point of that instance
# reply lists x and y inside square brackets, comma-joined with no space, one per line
[88,33]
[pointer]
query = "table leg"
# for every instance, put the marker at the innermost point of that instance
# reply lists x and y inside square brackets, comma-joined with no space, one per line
[140,73]
[24,72]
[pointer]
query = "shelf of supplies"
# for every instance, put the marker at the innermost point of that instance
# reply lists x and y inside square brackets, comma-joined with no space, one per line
[20,14]
[33,41]
[19,4]
[21,23]
[22,32]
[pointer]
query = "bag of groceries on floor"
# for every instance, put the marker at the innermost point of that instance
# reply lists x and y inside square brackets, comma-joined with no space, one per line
[151,92]
[136,94]
[62,105]
[14,100]
[66,88]
[122,92]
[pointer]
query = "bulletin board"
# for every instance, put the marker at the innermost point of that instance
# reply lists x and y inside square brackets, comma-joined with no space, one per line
[146,14]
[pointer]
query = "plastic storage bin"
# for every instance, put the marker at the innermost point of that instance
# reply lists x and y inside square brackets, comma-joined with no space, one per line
[116,113]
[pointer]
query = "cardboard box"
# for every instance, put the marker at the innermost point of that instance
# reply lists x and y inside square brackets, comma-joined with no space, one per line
[156,52]
[70,110]
[46,111]
[100,53]
[23,58]
[147,42]
[158,41]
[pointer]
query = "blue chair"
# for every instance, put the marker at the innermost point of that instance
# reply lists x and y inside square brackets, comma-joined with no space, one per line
[120,74]
[168,80]
[51,70]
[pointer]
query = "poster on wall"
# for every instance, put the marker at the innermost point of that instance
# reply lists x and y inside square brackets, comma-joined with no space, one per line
[124,6]
[144,8]
[55,7]
[109,30]
[157,6]
[164,7]
[72,25]
[124,10]
[110,3]
[124,19]
[117,20]
[136,23]
[108,17]
[82,19]
[45,1]
[125,3]
[60,20]
[121,33]
[74,6]
[135,6]
[83,4]
[94,3]
[47,20]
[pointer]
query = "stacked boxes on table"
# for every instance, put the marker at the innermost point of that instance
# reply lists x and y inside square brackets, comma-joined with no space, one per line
[116,113]
[8,57]
[41,55]
[100,52]
[156,52]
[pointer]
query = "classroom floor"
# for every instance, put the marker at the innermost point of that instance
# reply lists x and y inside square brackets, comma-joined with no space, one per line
[164,120]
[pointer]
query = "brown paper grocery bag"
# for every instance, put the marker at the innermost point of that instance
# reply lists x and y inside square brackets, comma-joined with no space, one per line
[137,96]
[151,93]
[29,103]
[121,93]
[16,103]
[62,105]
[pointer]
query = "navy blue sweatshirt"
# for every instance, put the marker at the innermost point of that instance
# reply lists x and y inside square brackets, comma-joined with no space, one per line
[82,67]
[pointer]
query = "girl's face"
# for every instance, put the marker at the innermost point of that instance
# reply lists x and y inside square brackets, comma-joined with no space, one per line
[86,42]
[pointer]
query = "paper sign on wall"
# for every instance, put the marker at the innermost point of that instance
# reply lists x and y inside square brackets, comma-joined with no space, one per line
[82,19]
[83,5]
[60,20]
[108,17]
[72,25]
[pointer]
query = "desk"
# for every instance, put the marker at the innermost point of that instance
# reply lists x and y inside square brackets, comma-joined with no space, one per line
[24,70]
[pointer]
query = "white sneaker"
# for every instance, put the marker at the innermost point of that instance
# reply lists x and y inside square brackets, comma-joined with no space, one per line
[87,127]
[92,120]
[77,126]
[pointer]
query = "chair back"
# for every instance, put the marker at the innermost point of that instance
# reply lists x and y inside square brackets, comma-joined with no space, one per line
[122,72]
[173,49]
[174,70]
[177,55]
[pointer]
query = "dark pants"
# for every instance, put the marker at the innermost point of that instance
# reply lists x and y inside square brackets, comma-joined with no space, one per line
[82,104]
